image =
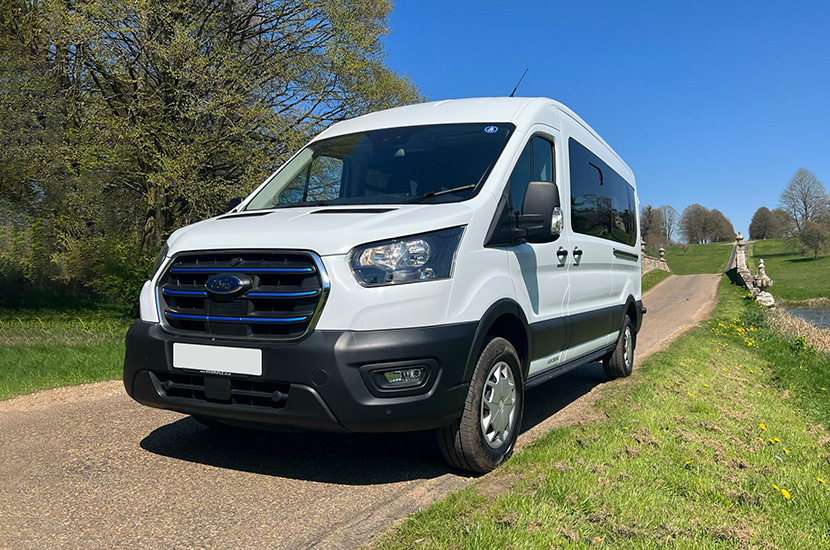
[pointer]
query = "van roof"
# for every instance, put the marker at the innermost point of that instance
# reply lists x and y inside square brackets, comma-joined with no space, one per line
[521,111]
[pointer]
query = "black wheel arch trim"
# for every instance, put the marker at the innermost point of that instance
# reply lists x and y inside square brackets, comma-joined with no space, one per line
[500,308]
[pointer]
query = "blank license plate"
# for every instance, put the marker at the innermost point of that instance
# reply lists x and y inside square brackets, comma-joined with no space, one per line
[217,359]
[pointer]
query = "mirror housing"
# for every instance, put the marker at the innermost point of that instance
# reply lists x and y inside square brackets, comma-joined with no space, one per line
[541,204]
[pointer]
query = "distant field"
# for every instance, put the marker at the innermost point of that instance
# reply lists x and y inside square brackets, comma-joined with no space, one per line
[796,277]
[700,258]
[50,348]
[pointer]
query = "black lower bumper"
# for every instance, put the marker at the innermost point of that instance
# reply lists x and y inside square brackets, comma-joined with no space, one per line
[326,381]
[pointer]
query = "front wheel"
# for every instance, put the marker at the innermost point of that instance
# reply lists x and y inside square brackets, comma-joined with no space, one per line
[620,362]
[485,434]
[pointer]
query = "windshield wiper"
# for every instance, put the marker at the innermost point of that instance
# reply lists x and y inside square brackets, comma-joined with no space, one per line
[438,193]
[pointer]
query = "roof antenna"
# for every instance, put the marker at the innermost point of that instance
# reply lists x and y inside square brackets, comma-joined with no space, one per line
[520,81]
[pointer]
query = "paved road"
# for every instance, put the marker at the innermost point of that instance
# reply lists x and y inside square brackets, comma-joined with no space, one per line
[86,467]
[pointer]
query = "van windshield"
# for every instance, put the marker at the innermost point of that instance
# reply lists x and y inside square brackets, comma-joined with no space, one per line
[436,163]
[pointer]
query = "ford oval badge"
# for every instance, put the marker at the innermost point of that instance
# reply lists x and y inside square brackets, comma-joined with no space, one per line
[224,284]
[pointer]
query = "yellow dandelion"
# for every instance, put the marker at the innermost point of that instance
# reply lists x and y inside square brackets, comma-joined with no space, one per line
[786,450]
[786,494]
[724,370]
[759,393]
[777,440]
[776,487]
[690,393]
[762,426]
[750,370]
[690,461]
[771,441]
[823,389]
[820,480]
[625,427]
[705,385]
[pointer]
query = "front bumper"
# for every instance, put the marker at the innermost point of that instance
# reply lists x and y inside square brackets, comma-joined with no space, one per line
[322,382]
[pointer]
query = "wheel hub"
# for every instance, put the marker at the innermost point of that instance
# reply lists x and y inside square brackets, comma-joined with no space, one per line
[498,405]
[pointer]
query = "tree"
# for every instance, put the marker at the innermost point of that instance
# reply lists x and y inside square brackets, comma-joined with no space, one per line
[719,228]
[121,121]
[670,219]
[812,237]
[761,225]
[694,222]
[804,198]
[782,224]
[651,225]
[770,224]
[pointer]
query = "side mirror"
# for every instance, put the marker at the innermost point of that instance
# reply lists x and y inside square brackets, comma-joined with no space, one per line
[233,203]
[541,216]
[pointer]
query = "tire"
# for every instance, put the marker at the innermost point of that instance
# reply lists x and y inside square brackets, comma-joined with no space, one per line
[620,362]
[485,434]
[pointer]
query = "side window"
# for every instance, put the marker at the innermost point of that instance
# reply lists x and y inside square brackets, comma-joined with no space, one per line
[590,207]
[535,164]
[602,202]
[319,181]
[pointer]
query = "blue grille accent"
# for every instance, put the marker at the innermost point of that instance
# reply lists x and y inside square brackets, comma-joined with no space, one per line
[237,270]
[235,319]
[170,292]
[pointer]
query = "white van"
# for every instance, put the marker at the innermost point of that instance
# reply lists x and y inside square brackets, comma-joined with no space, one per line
[413,268]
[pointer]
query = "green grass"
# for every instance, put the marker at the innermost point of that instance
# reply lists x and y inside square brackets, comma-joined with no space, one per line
[64,346]
[699,258]
[695,444]
[796,277]
[651,278]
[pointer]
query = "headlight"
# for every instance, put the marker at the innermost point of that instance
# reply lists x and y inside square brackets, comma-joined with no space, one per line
[160,258]
[424,257]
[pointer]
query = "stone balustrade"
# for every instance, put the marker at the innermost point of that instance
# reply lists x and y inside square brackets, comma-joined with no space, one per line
[757,284]
[650,263]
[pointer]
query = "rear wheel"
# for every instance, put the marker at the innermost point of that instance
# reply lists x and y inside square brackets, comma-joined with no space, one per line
[485,434]
[620,362]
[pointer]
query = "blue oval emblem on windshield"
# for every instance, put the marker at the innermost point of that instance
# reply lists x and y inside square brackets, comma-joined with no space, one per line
[491,129]
[224,284]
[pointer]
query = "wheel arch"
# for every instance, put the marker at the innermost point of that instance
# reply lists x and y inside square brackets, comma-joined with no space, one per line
[506,319]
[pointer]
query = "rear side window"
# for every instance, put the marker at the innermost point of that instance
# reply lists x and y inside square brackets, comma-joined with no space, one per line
[535,164]
[602,201]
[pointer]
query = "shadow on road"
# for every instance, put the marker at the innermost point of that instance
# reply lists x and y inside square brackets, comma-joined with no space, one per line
[349,459]
[543,401]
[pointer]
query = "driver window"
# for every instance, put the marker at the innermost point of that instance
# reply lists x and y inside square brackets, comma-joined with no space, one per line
[535,164]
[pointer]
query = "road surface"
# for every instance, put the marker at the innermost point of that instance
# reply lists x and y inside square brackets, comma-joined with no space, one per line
[86,467]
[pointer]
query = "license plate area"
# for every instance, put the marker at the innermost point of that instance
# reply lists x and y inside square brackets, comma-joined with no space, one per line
[217,359]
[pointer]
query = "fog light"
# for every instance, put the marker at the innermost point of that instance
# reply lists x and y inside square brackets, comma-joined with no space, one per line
[401,377]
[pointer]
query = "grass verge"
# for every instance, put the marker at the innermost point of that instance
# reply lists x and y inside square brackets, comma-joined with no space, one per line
[49,348]
[799,279]
[720,441]
[651,278]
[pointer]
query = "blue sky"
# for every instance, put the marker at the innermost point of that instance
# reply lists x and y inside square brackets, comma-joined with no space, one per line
[717,103]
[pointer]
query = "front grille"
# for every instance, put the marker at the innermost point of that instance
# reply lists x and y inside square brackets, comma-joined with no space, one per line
[240,392]
[282,299]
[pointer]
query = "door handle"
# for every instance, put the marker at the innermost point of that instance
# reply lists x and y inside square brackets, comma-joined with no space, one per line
[562,253]
[577,251]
